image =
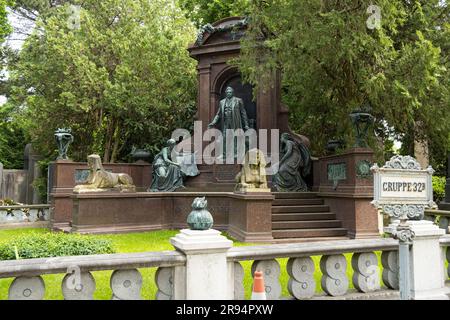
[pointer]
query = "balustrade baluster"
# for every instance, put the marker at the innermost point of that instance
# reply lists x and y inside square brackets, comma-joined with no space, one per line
[334,280]
[164,283]
[27,288]
[78,287]
[239,293]
[301,284]
[389,260]
[366,276]
[271,274]
[126,285]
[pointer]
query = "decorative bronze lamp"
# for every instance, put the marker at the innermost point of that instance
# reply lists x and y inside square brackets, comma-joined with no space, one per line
[362,121]
[63,139]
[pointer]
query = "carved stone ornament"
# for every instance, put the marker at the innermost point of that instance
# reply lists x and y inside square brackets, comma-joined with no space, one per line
[403,162]
[404,234]
[363,169]
[209,28]
[404,211]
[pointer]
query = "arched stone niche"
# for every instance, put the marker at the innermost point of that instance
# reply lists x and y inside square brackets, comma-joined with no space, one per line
[216,45]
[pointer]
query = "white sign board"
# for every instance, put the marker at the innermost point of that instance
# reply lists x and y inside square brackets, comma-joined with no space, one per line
[398,186]
[402,186]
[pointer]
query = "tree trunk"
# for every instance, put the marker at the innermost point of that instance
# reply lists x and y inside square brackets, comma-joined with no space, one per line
[116,142]
[108,142]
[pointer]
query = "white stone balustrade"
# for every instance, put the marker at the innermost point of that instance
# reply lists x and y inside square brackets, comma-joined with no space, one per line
[334,274]
[24,213]
[441,217]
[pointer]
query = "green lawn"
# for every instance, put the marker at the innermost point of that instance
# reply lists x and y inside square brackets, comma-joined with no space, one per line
[148,241]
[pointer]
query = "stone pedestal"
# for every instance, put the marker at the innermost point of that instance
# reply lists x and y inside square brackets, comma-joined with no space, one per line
[206,264]
[426,255]
[64,175]
[345,182]
[427,269]
[250,217]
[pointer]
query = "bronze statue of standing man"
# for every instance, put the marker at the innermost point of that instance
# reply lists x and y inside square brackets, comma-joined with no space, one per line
[231,114]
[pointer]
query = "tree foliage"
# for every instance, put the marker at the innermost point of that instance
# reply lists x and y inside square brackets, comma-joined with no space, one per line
[332,63]
[5,27]
[209,11]
[12,140]
[122,78]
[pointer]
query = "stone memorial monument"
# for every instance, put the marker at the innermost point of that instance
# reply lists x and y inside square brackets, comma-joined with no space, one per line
[100,180]
[252,177]
[221,87]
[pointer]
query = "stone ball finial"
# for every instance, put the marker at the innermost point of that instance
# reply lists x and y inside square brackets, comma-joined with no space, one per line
[200,218]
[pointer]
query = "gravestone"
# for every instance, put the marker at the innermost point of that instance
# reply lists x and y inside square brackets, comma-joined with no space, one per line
[31,159]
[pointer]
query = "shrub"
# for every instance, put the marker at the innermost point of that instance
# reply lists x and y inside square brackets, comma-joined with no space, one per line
[8,202]
[438,188]
[43,245]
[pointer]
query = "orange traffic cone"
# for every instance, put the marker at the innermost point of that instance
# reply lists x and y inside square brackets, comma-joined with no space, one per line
[259,290]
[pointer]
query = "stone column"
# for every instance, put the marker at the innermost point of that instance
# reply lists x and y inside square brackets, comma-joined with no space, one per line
[426,261]
[206,274]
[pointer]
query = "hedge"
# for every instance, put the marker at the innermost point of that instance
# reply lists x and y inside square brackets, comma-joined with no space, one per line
[43,245]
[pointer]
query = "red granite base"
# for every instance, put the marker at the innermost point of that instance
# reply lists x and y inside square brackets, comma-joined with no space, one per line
[245,217]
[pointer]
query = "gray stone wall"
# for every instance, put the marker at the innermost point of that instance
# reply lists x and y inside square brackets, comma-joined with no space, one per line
[18,184]
[14,185]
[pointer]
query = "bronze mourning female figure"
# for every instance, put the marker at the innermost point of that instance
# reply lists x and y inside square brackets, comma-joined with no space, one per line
[167,175]
[294,165]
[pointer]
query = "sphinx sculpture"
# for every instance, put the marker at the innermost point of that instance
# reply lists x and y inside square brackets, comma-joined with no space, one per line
[252,177]
[100,180]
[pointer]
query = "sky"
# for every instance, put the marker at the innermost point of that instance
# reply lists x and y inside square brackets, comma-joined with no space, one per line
[15,40]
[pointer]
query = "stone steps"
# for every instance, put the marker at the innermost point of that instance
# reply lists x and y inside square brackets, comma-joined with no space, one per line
[296,202]
[306,216]
[295,195]
[307,233]
[280,225]
[303,215]
[300,208]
